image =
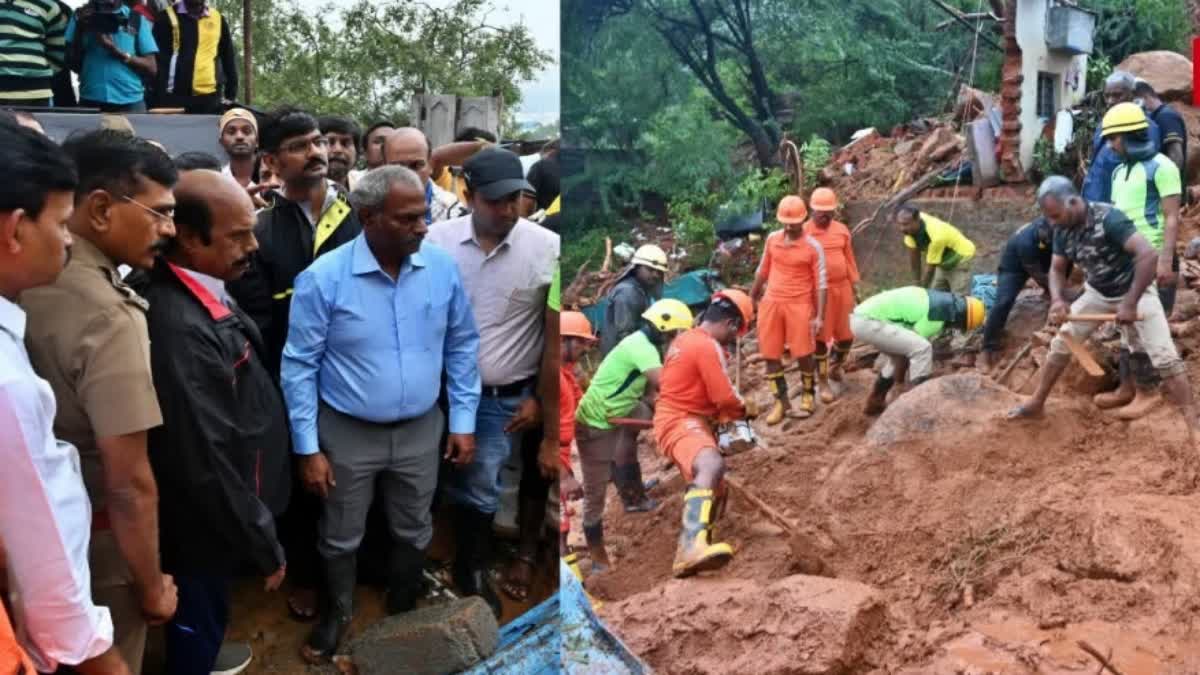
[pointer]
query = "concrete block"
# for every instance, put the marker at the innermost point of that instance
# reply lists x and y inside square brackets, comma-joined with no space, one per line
[433,640]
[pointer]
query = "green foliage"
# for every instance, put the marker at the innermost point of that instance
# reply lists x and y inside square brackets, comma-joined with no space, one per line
[1125,27]
[1048,163]
[1099,68]
[814,155]
[588,247]
[368,58]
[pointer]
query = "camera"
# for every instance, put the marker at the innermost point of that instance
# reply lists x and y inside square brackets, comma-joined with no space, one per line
[103,16]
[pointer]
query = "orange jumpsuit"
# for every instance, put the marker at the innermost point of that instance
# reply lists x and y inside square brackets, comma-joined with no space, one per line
[13,659]
[841,271]
[794,272]
[694,390]
[569,395]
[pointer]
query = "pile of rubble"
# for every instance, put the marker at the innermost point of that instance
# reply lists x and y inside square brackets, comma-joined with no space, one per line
[876,166]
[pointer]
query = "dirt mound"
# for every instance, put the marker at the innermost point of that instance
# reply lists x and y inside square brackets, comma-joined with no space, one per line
[799,624]
[1170,73]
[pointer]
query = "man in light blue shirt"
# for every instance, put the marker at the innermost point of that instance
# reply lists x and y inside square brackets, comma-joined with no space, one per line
[373,326]
[111,53]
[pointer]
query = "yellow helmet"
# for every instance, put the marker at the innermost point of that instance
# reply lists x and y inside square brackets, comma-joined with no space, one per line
[976,312]
[669,314]
[1123,118]
[651,256]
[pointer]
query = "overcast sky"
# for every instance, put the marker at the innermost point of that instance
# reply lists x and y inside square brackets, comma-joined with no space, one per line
[541,16]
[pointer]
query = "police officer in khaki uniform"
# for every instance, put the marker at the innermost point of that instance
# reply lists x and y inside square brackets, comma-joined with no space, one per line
[86,335]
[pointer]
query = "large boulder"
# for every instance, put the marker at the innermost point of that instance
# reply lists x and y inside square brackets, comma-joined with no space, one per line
[947,407]
[433,640]
[798,625]
[1170,73]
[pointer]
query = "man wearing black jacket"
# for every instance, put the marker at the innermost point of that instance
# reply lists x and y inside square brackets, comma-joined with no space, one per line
[197,63]
[309,217]
[221,455]
[1026,256]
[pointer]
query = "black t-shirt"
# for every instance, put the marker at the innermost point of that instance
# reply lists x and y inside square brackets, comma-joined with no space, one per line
[544,177]
[1173,128]
[1098,247]
[1026,251]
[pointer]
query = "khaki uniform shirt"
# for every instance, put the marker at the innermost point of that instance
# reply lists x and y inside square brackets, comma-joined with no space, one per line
[86,335]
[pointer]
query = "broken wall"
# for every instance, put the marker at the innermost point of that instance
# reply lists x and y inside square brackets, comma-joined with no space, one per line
[1070,71]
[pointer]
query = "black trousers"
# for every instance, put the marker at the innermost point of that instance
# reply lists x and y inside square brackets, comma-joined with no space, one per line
[194,635]
[1008,287]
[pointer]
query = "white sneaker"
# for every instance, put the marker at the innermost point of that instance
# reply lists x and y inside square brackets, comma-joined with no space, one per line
[232,659]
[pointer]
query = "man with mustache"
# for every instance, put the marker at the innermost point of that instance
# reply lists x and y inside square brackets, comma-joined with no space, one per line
[87,336]
[238,135]
[44,511]
[344,136]
[506,264]
[221,456]
[309,217]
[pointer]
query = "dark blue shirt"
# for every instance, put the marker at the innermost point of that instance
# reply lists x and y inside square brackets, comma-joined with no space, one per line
[1097,186]
[1029,250]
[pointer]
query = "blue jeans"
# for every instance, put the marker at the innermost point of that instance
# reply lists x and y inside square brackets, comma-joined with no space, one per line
[194,635]
[477,484]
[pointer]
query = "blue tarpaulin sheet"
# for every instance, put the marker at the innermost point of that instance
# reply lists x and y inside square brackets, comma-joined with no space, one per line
[528,644]
[693,289]
[588,648]
[983,286]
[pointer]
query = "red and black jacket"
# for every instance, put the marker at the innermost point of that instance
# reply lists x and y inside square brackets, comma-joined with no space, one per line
[221,457]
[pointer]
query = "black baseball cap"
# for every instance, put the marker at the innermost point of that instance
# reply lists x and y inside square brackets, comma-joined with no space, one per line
[495,173]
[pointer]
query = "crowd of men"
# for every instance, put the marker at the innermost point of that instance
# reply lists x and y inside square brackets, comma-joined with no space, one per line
[130,55]
[657,362]
[269,361]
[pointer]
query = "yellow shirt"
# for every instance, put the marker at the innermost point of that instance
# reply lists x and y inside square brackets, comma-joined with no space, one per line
[452,184]
[938,236]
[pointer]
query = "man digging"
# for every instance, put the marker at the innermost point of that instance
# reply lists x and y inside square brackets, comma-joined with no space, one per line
[1120,267]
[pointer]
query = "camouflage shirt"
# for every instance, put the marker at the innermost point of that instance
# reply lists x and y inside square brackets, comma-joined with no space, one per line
[1098,247]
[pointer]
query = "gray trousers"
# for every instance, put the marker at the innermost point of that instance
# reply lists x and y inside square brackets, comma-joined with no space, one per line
[400,459]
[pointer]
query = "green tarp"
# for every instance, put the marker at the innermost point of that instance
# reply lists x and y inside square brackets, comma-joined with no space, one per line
[693,289]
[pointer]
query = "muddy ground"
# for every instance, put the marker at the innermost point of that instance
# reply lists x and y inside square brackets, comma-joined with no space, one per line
[993,546]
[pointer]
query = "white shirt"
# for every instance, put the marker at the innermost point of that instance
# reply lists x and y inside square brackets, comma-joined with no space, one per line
[45,516]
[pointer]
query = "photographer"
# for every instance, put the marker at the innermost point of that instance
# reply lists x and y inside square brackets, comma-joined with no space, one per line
[111,47]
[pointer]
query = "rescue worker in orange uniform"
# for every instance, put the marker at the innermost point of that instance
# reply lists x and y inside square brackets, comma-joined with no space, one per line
[696,392]
[841,276]
[575,331]
[792,310]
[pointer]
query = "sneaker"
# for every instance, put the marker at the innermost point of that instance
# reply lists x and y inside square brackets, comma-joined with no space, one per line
[232,659]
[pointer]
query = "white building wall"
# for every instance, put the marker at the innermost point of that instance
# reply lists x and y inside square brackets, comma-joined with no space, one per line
[1035,58]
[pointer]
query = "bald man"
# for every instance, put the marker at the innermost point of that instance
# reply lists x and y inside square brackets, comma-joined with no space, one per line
[221,455]
[409,147]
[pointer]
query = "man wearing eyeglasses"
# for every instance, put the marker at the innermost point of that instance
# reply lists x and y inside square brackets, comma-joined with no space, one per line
[87,336]
[310,217]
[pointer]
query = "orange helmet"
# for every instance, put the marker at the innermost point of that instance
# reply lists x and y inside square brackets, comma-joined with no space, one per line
[742,301]
[575,324]
[823,199]
[791,210]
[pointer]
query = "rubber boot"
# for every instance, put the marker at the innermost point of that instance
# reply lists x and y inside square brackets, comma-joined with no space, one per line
[808,394]
[594,535]
[1146,382]
[695,552]
[1124,393]
[827,396]
[473,551]
[405,582]
[877,401]
[337,609]
[631,489]
[779,410]
[838,362]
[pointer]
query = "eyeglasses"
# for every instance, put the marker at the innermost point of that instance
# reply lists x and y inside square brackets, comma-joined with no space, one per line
[297,147]
[165,216]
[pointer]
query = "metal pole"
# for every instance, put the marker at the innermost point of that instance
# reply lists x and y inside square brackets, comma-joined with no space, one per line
[247,52]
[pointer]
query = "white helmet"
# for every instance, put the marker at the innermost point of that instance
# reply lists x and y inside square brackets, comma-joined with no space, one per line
[650,256]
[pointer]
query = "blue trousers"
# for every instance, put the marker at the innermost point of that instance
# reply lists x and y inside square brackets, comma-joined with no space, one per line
[195,634]
[477,485]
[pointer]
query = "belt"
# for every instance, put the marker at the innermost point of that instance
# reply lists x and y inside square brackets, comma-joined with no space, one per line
[508,390]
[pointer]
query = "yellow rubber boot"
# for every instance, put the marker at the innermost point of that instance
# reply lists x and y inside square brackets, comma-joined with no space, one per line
[779,410]
[695,553]
[808,395]
[823,378]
